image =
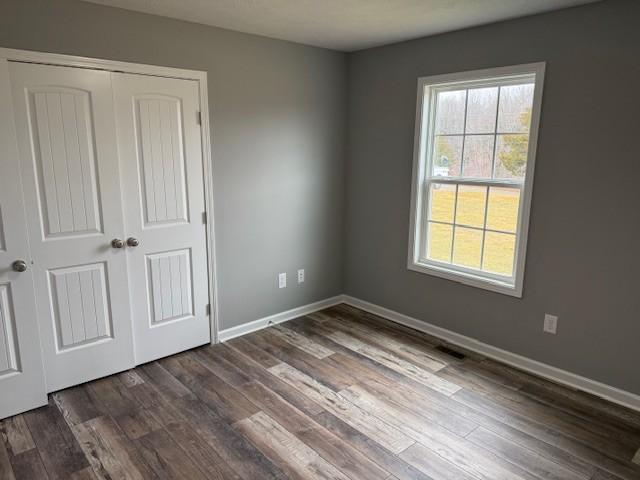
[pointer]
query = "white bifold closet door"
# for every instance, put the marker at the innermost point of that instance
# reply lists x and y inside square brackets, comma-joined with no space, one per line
[162,177]
[69,158]
[114,200]
[21,374]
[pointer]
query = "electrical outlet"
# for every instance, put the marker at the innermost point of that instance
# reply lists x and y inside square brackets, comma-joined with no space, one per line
[550,324]
[282,280]
[300,276]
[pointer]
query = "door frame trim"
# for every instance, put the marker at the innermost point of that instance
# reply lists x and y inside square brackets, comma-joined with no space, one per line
[29,56]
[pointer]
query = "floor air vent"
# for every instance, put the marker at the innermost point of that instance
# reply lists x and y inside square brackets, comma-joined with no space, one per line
[450,351]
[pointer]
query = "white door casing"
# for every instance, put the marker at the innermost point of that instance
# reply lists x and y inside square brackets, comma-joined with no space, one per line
[21,373]
[68,155]
[160,149]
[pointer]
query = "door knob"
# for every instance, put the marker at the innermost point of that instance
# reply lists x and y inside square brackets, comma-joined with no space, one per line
[117,243]
[19,266]
[133,242]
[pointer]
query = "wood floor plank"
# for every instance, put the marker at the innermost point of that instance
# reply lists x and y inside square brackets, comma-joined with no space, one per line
[205,458]
[76,405]
[416,414]
[300,360]
[111,453]
[523,457]
[167,458]
[379,431]
[27,466]
[605,436]
[442,407]
[393,362]
[228,443]
[16,435]
[333,449]
[264,376]
[449,446]
[130,378]
[259,356]
[547,434]
[379,339]
[432,464]
[383,457]
[209,388]
[6,470]
[286,450]
[300,341]
[59,449]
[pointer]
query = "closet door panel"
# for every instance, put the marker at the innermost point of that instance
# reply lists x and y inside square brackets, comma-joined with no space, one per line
[69,160]
[22,385]
[161,151]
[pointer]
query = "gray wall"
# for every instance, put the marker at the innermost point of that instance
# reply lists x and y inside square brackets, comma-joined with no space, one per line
[583,258]
[278,117]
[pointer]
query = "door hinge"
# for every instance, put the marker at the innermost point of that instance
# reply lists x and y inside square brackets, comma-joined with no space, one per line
[208,309]
[204,217]
[199,117]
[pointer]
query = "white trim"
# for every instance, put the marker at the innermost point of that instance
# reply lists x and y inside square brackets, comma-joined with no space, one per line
[29,56]
[255,325]
[607,392]
[423,126]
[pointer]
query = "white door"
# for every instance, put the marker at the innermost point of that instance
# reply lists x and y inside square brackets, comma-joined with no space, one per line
[67,140]
[21,374]
[162,175]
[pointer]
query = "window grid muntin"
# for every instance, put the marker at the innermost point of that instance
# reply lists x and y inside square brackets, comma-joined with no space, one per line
[429,150]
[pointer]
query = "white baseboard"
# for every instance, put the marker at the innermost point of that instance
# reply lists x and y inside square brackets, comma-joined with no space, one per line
[233,332]
[540,369]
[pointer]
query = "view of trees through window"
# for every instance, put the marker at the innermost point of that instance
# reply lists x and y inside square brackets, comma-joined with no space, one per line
[479,146]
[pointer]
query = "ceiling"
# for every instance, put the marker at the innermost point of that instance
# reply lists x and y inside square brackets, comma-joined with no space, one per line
[343,24]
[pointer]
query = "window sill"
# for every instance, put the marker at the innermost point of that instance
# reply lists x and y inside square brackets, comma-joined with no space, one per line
[468,279]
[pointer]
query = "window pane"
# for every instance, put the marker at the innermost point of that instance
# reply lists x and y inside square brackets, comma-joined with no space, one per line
[471,205]
[450,112]
[447,156]
[516,102]
[442,202]
[502,212]
[499,250]
[439,242]
[482,108]
[478,156]
[467,247]
[511,156]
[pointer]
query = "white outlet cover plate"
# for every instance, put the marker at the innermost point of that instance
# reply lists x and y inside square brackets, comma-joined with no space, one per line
[282,280]
[550,323]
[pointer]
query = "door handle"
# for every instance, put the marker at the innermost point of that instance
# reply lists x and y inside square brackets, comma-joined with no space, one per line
[19,266]
[133,242]
[117,243]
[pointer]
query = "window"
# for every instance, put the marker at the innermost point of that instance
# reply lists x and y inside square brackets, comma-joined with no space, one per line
[475,147]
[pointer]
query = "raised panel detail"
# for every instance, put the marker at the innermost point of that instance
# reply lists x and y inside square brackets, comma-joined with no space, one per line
[80,304]
[9,358]
[169,277]
[3,245]
[63,140]
[161,160]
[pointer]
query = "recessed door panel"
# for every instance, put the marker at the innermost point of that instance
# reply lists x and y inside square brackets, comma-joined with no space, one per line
[69,161]
[9,358]
[80,304]
[158,132]
[61,130]
[169,277]
[161,160]
[22,385]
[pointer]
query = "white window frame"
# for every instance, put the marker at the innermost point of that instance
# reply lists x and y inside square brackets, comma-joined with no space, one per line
[417,260]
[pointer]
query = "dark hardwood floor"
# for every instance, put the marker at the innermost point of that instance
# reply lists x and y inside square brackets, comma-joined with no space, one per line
[339,394]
